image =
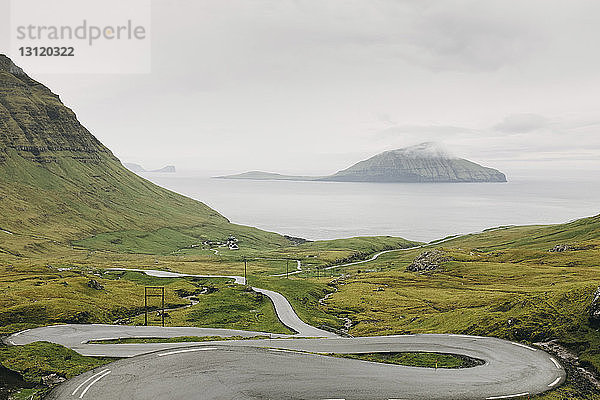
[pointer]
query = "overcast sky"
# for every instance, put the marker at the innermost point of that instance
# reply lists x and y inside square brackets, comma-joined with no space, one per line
[313,86]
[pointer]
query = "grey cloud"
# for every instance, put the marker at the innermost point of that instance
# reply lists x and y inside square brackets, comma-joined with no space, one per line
[426,131]
[287,39]
[521,123]
[518,136]
[286,81]
[471,36]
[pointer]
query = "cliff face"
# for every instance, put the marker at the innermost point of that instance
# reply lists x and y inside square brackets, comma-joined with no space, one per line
[426,162]
[35,124]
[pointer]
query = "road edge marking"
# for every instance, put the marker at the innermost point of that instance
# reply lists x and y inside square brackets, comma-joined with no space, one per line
[508,396]
[87,380]
[283,351]
[554,383]
[92,383]
[524,346]
[187,351]
[555,363]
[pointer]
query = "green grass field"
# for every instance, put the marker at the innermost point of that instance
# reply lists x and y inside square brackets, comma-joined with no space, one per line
[231,306]
[35,361]
[418,359]
[178,339]
[504,283]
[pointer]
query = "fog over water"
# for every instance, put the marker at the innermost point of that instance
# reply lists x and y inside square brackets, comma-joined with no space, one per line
[329,210]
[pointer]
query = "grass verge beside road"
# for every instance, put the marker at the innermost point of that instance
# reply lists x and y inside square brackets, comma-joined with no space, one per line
[31,370]
[177,339]
[416,359]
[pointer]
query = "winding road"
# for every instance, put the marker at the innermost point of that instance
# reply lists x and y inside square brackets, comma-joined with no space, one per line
[377,254]
[290,366]
[289,369]
[283,308]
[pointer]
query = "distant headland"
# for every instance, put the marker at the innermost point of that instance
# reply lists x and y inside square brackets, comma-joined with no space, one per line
[425,162]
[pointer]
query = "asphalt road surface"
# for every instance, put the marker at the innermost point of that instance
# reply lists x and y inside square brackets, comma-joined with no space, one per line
[286,366]
[234,370]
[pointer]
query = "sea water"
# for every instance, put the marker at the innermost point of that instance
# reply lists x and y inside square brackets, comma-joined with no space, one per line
[424,212]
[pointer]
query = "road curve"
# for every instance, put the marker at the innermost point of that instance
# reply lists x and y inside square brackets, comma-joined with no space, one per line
[372,258]
[78,336]
[283,308]
[421,246]
[289,318]
[285,366]
[282,368]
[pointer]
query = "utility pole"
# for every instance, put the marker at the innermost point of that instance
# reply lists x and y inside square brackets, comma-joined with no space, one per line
[245,270]
[287,269]
[163,306]
[145,306]
[150,291]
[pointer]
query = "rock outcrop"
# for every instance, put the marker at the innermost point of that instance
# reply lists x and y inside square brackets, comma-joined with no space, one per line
[94,284]
[52,380]
[559,248]
[428,261]
[582,379]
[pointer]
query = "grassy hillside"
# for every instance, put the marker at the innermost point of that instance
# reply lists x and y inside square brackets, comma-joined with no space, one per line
[66,199]
[534,237]
[45,295]
[58,181]
[503,282]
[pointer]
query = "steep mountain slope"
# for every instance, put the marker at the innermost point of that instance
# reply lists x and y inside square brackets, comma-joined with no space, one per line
[426,162]
[58,181]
